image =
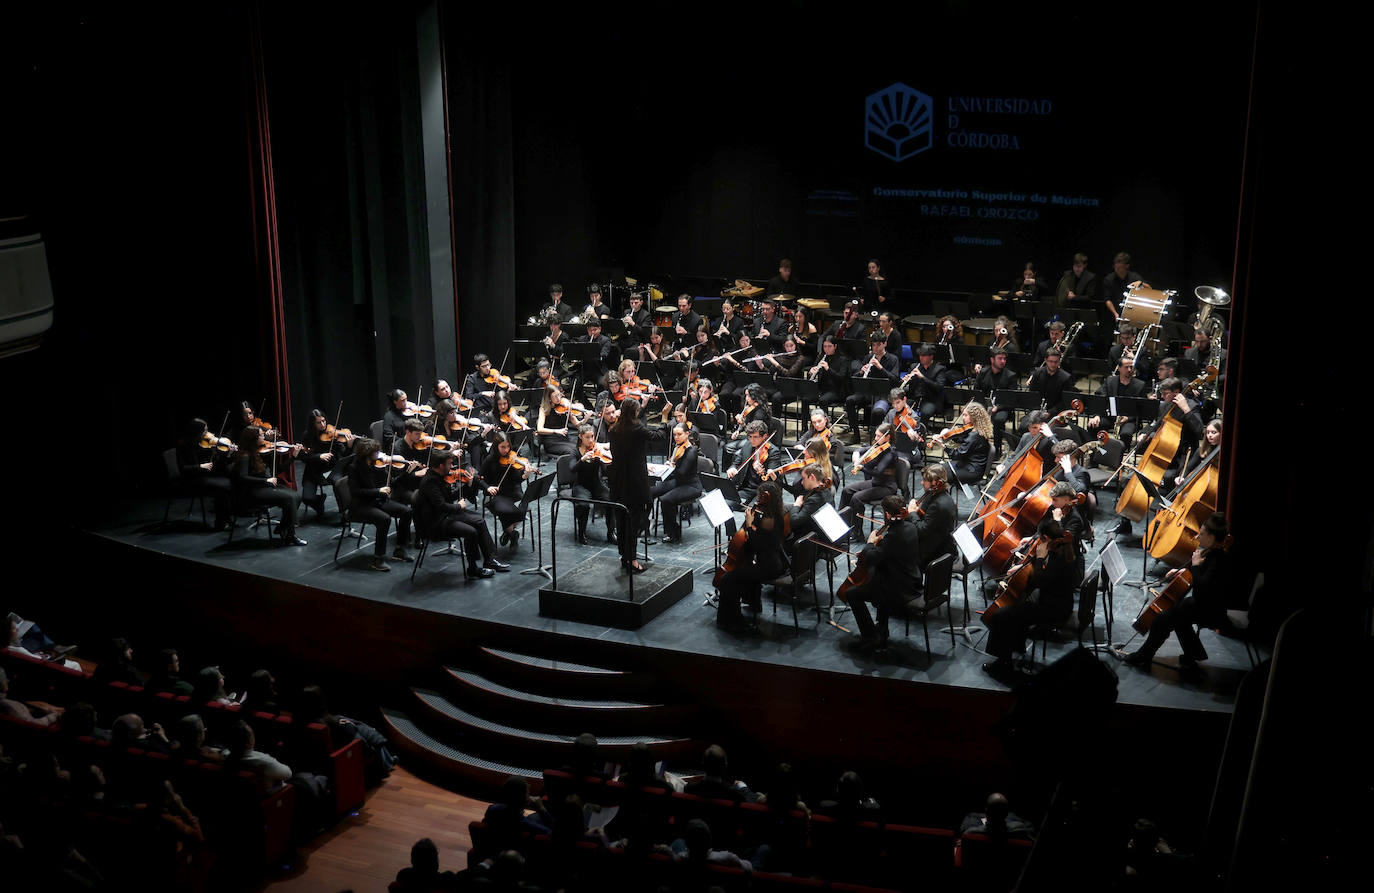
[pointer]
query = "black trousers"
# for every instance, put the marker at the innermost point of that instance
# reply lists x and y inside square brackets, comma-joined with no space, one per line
[859,493]
[582,511]
[743,585]
[380,515]
[1008,627]
[468,527]
[281,497]
[1000,419]
[670,497]
[884,595]
[1180,620]
[631,525]
[217,488]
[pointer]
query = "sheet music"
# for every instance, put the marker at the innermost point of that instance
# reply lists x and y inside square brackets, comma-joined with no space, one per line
[968,544]
[716,509]
[830,523]
[1112,562]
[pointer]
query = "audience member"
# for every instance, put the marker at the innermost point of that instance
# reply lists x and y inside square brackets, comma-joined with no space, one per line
[423,874]
[209,686]
[168,677]
[312,708]
[713,783]
[998,821]
[128,731]
[19,710]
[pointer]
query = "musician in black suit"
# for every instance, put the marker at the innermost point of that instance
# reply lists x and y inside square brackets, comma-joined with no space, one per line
[441,515]
[1078,286]
[937,518]
[1124,384]
[638,322]
[769,328]
[1055,339]
[1052,382]
[556,306]
[989,379]
[682,485]
[849,325]
[753,460]
[1053,578]
[893,559]
[593,370]
[781,284]
[926,387]
[476,388]
[1125,340]
[726,329]
[1115,284]
[1173,402]
[686,321]
[878,364]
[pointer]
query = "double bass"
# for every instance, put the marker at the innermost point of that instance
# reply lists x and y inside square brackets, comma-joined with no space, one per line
[1134,501]
[1026,514]
[1026,471]
[1176,526]
[1010,590]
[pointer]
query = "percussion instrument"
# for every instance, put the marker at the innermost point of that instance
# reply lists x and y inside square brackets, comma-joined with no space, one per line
[1144,306]
[814,303]
[741,289]
[663,316]
[979,330]
[921,328]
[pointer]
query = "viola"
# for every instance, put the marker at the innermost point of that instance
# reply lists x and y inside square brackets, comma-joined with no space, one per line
[872,454]
[496,379]
[904,421]
[417,410]
[460,476]
[515,421]
[382,460]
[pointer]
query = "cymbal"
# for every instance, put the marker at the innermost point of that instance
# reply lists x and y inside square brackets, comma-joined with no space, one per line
[782,299]
[1214,296]
[631,282]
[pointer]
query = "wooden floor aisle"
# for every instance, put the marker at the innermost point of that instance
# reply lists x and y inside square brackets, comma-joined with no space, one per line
[365,851]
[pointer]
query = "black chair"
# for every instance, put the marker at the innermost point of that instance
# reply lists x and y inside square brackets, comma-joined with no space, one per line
[801,574]
[420,524]
[1086,615]
[242,506]
[937,584]
[708,445]
[179,489]
[343,497]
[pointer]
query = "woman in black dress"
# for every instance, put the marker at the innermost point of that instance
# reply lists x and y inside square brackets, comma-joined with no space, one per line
[256,482]
[628,477]
[761,559]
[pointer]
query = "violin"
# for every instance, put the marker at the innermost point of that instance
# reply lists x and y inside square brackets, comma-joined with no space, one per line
[461,403]
[952,433]
[460,476]
[514,421]
[439,442]
[383,460]
[512,460]
[599,451]
[417,410]
[577,411]
[904,421]
[678,453]
[277,446]
[331,434]
[209,441]
[269,430]
[788,468]
[872,454]
[496,379]
[707,405]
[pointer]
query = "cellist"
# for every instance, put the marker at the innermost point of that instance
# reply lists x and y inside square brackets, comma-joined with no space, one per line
[892,557]
[1173,402]
[1048,596]
[759,559]
[1205,606]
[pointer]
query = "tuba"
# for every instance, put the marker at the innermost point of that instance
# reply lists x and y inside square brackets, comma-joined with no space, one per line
[1208,317]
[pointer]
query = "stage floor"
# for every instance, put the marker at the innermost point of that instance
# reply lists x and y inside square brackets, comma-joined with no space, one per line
[688,626]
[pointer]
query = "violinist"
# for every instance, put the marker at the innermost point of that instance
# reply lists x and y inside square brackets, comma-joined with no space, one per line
[879,468]
[394,420]
[253,479]
[970,460]
[588,482]
[320,457]
[756,458]
[554,426]
[727,328]
[249,419]
[440,392]
[818,430]
[1052,382]
[629,484]
[887,327]
[1048,597]
[371,490]
[988,380]
[755,409]
[638,323]
[1205,606]
[759,559]
[632,384]
[907,434]
[501,416]
[592,370]
[926,381]
[205,469]
[607,413]
[686,321]
[441,514]
[879,365]
[415,448]
[815,487]
[893,558]
[704,398]
[455,428]
[543,376]
[934,514]
[503,475]
[682,485]
[674,415]
[476,387]
[1124,384]
[849,325]
[814,453]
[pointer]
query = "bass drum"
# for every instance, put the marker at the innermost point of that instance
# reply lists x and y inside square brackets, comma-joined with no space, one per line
[979,330]
[920,328]
[1146,306]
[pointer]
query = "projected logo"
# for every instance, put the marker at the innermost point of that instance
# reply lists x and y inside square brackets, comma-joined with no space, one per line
[898,122]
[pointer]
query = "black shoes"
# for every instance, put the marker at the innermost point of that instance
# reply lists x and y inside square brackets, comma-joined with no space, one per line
[612,538]
[293,540]
[379,564]
[400,555]
[492,564]
[481,572]
[670,540]
[505,537]
[582,538]
[633,567]
[1001,669]
[1137,659]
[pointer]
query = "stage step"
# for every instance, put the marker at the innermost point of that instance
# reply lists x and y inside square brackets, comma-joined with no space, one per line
[481,735]
[557,714]
[468,772]
[551,676]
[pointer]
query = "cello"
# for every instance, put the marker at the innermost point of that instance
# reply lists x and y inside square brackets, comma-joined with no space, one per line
[1025,472]
[1010,590]
[1170,595]
[1134,501]
[1177,525]
[863,572]
[1025,514]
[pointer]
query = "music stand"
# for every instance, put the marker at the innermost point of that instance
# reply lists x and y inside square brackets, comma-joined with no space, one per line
[535,492]
[671,370]
[1157,501]
[705,421]
[876,387]
[726,487]
[612,327]
[526,397]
